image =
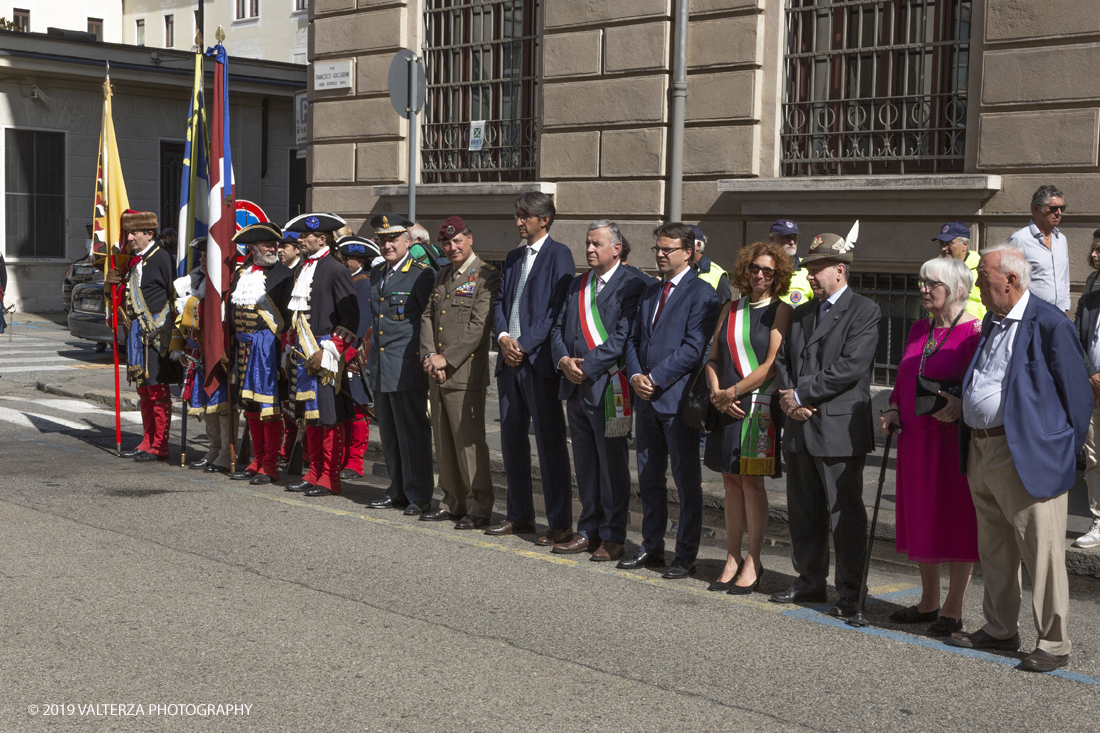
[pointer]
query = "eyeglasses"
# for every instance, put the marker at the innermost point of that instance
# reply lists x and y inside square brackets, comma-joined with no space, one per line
[767,272]
[929,285]
[525,217]
[666,251]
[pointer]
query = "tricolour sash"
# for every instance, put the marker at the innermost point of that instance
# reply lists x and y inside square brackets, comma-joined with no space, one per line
[617,413]
[758,428]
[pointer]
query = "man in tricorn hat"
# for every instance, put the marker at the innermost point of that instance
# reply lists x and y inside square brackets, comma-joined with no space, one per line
[824,372]
[324,315]
[357,254]
[455,332]
[258,316]
[147,318]
[400,288]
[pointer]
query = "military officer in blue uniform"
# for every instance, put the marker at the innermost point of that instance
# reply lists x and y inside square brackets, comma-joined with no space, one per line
[400,289]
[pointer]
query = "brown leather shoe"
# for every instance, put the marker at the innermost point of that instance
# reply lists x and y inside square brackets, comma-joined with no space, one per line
[1043,661]
[506,527]
[579,543]
[554,536]
[607,552]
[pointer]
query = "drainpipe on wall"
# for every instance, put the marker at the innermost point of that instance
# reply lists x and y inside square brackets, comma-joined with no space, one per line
[679,100]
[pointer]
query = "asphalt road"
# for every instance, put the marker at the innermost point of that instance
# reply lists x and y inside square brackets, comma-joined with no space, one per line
[154,586]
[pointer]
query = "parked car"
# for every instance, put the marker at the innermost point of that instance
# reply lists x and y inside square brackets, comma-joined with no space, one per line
[79,272]
[87,317]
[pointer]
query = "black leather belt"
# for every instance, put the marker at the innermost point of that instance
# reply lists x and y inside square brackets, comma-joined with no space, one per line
[991,433]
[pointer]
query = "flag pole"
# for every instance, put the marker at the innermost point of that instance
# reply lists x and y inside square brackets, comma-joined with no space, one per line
[108,262]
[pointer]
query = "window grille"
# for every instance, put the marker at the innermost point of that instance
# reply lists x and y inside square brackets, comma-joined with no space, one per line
[34,177]
[480,65]
[898,296]
[875,86]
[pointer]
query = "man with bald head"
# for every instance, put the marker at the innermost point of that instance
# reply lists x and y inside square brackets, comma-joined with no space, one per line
[1026,406]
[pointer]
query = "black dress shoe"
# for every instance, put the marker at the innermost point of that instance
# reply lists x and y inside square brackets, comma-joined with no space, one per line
[439,515]
[242,475]
[201,463]
[149,458]
[130,453]
[414,509]
[911,615]
[679,569]
[981,640]
[214,468]
[643,560]
[1043,661]
[319,491]
[844,608]
[746,590]
[349,474]
[260,479]
[798,596]
[388,503]
[302,485]
[945,626]
[471,522]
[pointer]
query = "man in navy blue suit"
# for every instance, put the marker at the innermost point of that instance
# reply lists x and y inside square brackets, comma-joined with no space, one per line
[533,284]
[675,320]
[1026,407]
[588,340]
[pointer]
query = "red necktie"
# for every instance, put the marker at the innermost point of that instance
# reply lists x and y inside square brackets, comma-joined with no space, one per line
[256,268]
[664,297]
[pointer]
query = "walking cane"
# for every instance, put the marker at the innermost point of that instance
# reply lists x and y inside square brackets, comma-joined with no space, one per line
[858,620]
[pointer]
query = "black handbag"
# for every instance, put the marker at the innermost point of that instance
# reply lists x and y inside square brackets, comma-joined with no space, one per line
[697,412]
[928,399]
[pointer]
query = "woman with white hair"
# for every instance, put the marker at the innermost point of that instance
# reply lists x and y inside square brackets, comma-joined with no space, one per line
[935,513]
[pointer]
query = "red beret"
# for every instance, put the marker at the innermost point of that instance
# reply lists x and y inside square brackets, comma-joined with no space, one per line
[454,225]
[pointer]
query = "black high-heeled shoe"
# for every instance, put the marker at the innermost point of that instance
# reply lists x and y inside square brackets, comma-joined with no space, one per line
[725,587]
[744,590]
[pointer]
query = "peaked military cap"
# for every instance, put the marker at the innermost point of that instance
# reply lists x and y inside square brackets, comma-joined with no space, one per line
[264,231]
[390,224]
[308,223]
[358,247]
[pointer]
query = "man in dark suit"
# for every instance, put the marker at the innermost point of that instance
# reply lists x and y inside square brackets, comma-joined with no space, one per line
[588,340]
[533,284]
[1026,406]
[1087,322]
[824,371]
[675,320]
[400,290]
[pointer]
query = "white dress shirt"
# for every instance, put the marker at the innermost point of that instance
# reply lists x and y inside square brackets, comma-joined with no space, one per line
[983,402]
[534,253]
[1049,267]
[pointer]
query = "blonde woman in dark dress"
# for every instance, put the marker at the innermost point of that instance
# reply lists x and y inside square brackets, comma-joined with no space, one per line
[741,375]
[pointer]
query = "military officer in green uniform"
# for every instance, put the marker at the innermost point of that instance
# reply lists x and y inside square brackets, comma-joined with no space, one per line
[784,232]
[400,288]
[455,333]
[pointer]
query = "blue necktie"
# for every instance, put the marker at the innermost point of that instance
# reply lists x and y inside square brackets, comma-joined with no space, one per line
[822,310]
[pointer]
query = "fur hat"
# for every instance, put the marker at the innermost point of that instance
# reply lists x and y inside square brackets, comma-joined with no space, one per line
[139,221]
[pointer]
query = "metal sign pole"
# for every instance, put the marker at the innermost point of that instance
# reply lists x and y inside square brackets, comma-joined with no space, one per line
[412,137]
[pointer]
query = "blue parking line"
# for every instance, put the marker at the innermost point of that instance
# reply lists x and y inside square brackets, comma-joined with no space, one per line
[820,615]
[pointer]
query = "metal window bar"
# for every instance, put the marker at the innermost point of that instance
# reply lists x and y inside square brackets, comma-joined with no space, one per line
[479,58]
[899,299]
[875,86]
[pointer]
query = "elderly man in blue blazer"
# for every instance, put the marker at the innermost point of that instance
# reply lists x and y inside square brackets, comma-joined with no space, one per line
[533,284]
[676,319]
[1026,406]
[589,339]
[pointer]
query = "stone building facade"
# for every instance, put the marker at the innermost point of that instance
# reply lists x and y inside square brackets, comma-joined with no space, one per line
[902,113]
[49,134]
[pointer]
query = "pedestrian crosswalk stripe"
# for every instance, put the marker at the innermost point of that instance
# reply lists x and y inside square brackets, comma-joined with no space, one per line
[33,420]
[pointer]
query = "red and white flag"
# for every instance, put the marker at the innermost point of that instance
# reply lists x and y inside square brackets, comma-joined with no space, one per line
[221,252]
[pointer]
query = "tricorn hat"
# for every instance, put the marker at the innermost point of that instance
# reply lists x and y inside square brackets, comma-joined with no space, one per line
[358,247]
[308,223]
[833,247]
[264,231]
[139,221]
[454,225]
[198,243]
[390,224]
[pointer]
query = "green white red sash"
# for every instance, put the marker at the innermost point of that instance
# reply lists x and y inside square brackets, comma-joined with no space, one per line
[617,411]
[758,428]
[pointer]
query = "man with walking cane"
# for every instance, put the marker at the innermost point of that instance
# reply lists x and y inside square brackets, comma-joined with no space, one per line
[824,372]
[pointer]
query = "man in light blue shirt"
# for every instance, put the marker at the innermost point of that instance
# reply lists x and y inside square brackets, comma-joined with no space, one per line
[1045,247]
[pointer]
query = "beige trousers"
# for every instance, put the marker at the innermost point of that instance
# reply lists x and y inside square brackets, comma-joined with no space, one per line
[1013,525]
[458,426]
[1092,463]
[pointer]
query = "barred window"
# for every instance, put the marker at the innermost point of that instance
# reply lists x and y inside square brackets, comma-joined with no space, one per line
[480,64]
[875,86]
[34,179]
